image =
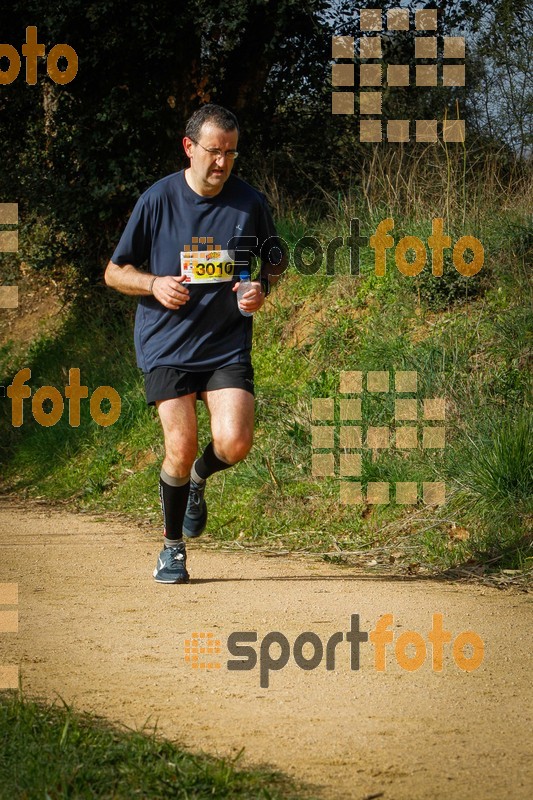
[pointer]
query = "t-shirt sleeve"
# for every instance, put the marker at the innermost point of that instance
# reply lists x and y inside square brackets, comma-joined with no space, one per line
[136,241]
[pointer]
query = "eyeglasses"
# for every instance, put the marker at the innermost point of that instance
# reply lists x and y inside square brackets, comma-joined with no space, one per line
[231,154]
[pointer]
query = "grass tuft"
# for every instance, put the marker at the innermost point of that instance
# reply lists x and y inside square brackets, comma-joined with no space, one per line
[50,751]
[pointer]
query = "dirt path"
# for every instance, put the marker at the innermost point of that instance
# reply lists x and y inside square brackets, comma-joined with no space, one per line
[95,628]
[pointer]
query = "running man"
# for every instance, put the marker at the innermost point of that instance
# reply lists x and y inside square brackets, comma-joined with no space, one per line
[191,339]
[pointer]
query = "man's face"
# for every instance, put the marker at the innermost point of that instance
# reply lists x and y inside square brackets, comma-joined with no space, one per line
[210,172]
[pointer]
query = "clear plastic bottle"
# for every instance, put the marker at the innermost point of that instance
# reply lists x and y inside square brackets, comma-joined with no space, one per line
[244,285]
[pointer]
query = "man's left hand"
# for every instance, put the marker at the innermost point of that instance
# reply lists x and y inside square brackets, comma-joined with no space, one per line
[253,299]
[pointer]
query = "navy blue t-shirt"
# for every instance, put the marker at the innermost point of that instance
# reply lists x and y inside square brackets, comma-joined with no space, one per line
[208,331]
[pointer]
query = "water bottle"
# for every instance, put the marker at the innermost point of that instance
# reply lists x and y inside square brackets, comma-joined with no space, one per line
[244,285]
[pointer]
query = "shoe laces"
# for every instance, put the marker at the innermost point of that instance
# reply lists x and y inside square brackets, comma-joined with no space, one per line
[177,554]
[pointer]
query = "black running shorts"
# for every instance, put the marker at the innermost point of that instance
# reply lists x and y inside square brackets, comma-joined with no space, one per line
[164,383]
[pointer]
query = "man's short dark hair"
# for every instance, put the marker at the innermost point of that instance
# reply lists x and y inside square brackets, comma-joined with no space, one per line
[217,115]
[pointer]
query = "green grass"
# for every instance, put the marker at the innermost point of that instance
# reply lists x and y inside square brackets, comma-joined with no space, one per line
[495,476]
[54,753]
[469,341]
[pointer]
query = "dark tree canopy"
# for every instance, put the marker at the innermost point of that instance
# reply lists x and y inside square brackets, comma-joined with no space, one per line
[76,156]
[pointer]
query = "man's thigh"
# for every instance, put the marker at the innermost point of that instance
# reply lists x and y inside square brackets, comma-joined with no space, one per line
[231,412]
[178,419]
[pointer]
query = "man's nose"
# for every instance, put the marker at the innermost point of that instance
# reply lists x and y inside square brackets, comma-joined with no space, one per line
[219,156]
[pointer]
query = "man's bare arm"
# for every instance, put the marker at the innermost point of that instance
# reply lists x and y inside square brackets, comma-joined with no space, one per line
[168,289]
[128,279]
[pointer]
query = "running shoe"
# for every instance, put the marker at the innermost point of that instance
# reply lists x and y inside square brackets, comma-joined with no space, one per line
[171,565]
[196,513]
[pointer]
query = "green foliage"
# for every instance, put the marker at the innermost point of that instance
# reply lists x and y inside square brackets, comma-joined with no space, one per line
[494,473]
[451,288]
[54,752]
[476,353]
[500,468]
[77,156]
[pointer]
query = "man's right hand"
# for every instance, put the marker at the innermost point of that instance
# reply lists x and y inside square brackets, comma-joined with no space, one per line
[170,292]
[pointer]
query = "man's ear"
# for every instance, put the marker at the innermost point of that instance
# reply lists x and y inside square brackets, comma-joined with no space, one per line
[187,146]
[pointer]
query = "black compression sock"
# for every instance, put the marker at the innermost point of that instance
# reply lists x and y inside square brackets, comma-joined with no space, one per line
[173,493]
[208,463]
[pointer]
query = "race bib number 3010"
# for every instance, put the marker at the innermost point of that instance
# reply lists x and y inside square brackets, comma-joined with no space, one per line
[207,266]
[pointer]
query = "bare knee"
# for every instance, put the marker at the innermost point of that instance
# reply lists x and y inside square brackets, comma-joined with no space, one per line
[179,456]
[234,449]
